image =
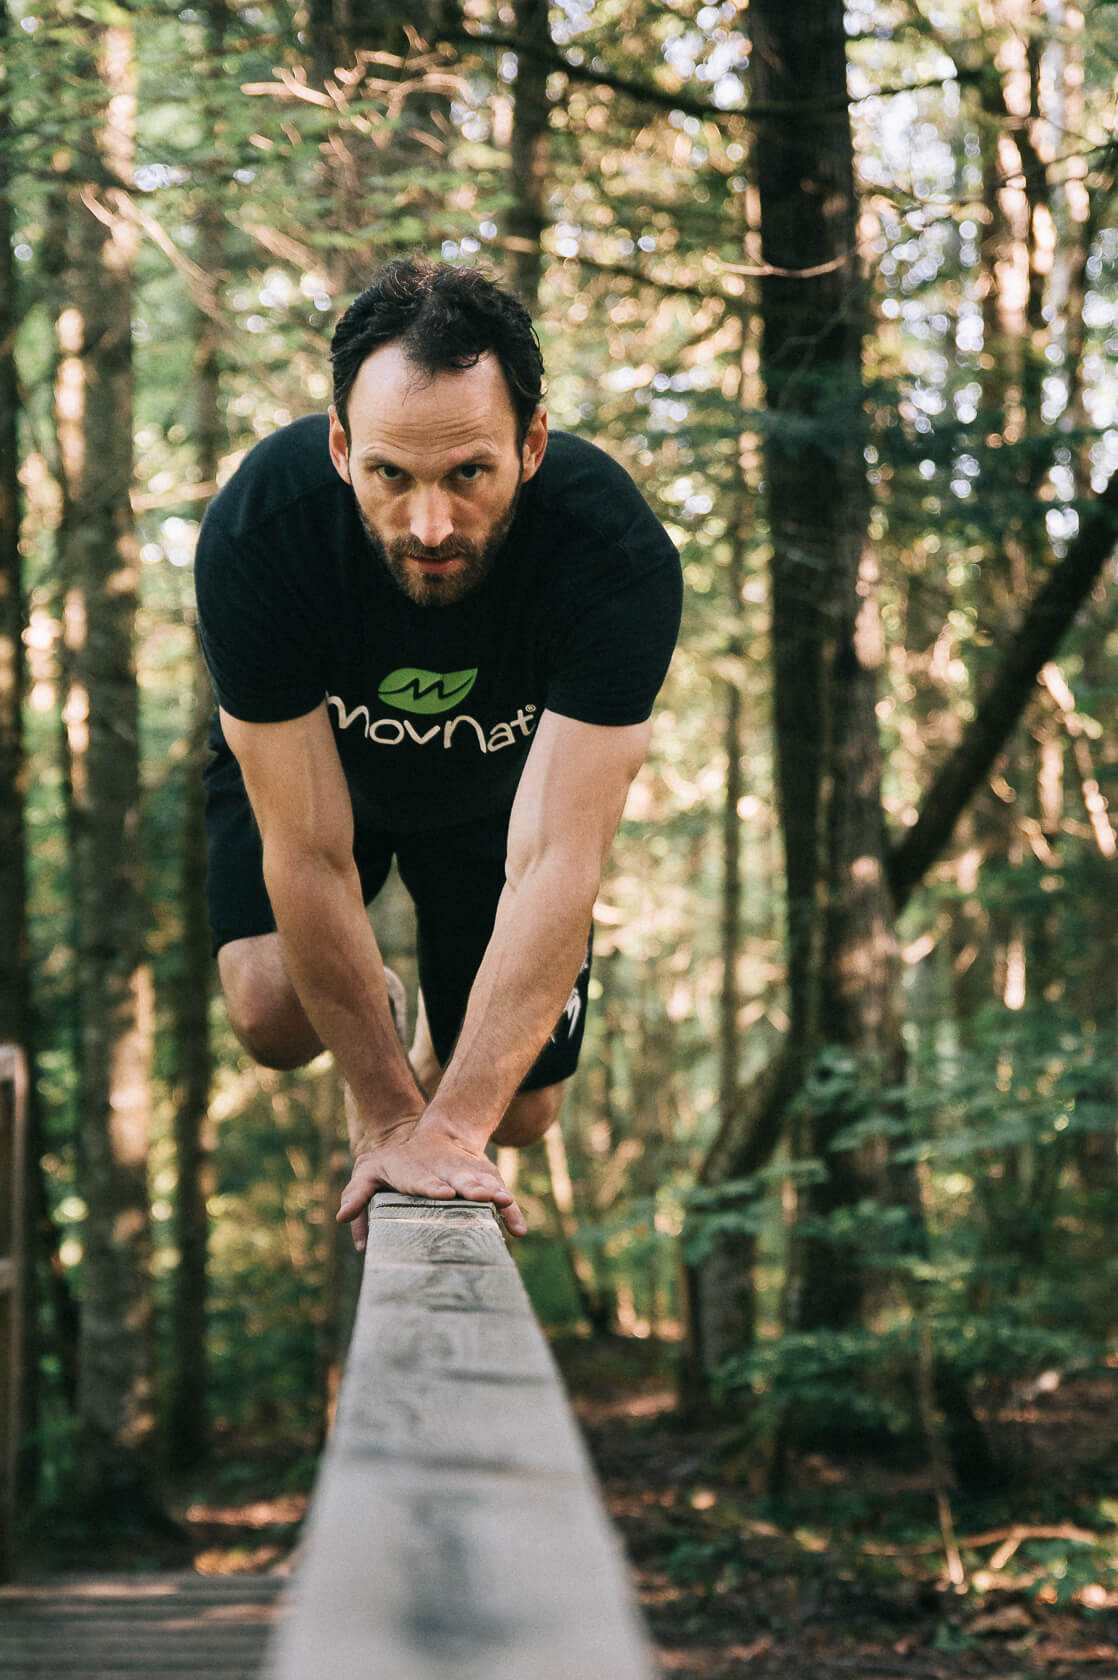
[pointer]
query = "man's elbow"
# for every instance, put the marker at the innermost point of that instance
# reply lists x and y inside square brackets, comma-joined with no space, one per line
[301,868]
[569,873]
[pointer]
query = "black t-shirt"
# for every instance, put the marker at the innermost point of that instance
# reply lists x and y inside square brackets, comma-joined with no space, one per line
[433,707]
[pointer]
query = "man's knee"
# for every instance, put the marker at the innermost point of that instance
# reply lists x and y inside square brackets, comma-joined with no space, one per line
[264,1011]
[529,1115]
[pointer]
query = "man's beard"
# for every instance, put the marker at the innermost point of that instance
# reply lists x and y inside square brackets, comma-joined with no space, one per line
[430,589]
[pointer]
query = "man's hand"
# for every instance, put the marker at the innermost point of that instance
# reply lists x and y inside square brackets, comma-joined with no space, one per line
[427,1161]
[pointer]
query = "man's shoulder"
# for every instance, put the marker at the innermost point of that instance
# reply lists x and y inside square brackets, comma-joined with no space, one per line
[282,470]
[570,460]
[582,487]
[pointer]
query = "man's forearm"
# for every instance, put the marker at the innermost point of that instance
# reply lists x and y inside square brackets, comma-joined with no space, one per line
[567,808]
[534,955]
[336,968]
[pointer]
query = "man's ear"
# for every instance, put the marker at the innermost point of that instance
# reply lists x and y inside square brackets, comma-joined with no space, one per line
[535,443]
[339,445]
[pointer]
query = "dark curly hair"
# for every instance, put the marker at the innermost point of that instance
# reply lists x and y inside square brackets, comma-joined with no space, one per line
[445,319]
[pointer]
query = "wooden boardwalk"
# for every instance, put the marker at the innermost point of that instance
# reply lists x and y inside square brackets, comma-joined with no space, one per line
[137,1627]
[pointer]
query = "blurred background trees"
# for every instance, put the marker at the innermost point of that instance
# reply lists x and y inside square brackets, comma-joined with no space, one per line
[839,287]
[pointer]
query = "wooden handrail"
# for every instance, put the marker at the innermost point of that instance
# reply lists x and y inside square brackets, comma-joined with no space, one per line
[456,1530]
[13,1106]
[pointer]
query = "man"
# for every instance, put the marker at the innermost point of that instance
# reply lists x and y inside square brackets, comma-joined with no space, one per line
[433,635]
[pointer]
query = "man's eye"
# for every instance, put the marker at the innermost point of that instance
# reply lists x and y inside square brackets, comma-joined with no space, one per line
[389,473]
[471,472]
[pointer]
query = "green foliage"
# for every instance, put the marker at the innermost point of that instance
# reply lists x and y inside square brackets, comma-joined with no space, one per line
[649,317]
[1002,1267]
[740,1206]
[855,1375]
[268,1270]
[547,1278]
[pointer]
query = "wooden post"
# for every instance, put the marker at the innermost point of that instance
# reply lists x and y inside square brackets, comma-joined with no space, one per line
[456,1530]
[13,1103]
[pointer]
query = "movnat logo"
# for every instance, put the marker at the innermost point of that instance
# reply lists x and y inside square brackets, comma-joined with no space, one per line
[399,732]
[424,692]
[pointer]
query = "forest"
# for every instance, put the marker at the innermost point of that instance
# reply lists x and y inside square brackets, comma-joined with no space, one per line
[838,285]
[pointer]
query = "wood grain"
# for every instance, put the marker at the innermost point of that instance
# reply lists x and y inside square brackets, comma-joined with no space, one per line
[456,1531]
[119,1627]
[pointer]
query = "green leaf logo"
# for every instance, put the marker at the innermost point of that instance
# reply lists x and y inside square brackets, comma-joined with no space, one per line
[411,690]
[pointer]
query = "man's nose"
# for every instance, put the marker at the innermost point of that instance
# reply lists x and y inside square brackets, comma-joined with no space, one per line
[431,522]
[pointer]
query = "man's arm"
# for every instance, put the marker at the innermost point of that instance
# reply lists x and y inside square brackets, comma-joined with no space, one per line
[567,808]
[302,807]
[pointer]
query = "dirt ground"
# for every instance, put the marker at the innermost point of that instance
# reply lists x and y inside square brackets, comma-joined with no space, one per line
[825,1590]
[847,1579]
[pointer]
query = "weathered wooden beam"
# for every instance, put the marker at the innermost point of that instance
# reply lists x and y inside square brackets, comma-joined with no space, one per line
[456,1528]
[13,1102]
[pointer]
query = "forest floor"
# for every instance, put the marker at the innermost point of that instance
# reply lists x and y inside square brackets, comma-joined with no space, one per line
[844,1579]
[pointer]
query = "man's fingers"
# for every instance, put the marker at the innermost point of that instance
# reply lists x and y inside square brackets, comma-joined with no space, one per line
[368,1178]
[359,1230]
[474,1188]
[515,1223]
[355,1197]
[382,1172]
[442,1181]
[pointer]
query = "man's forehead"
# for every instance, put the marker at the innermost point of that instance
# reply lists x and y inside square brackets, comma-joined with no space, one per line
[395,397]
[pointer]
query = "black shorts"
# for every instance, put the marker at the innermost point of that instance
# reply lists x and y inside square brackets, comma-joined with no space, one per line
[454,877]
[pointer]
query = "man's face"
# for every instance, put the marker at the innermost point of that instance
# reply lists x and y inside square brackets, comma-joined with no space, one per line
[434,465]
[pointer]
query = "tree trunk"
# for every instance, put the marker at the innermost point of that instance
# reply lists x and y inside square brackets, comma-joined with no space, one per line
[527,216]
[719,1307]
[187,1431]
[843,965]
[15,971]
[341,1266]
[187,1425]
[14,988]
[100,563]
[860,1007]
[595,1304]
[810,350]
[842,971]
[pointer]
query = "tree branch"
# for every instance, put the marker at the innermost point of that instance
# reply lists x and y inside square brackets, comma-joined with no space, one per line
[592,72]
[647,93]
[1046,621]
